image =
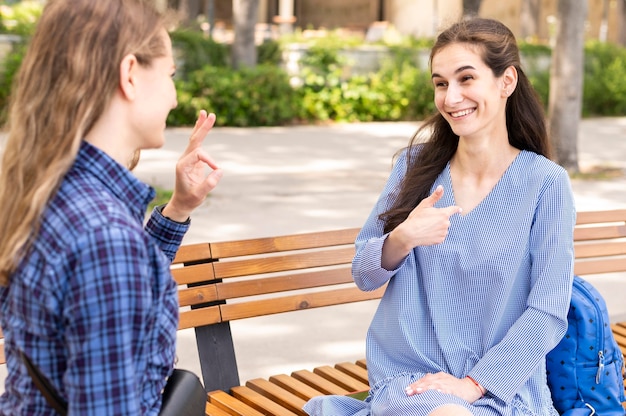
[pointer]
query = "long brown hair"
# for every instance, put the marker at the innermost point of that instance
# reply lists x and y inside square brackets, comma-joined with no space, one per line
[525,119]
[66,81]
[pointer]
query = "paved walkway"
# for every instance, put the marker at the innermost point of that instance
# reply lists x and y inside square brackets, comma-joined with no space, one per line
[283,180]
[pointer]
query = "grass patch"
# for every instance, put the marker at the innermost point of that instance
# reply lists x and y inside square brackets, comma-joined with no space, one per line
[359,395]
[162,197]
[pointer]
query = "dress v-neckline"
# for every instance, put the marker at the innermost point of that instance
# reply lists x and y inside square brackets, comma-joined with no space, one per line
[466,213]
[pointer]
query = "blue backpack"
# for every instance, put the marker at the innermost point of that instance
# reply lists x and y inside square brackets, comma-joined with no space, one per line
[585,370]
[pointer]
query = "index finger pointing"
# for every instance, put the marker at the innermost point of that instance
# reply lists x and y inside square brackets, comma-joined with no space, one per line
[451,210]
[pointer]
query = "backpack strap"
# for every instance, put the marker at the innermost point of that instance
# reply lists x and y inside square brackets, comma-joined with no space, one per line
[44,385]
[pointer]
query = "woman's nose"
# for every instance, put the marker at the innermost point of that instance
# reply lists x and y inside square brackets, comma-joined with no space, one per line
[453,95]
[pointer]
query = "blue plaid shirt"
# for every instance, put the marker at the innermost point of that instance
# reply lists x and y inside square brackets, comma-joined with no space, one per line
[93,303]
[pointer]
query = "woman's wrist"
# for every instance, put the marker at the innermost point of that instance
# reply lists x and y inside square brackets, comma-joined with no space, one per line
[393,251]
[477,385]
[172,215]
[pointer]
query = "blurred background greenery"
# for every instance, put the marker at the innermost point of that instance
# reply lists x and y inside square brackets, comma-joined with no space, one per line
[330,78]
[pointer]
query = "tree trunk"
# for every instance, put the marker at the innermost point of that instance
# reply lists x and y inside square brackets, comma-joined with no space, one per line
[566,82]
[188,10]
[471,7]
[529,18]
[244,21]
[621,6]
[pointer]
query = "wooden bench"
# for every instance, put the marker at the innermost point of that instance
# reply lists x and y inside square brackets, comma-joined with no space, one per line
[226,281]
[296,272]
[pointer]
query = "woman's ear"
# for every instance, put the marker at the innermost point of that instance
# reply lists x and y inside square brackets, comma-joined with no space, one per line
[509,81]
[128,68]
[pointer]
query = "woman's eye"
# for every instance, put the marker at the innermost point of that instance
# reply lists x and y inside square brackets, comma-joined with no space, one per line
[466,78]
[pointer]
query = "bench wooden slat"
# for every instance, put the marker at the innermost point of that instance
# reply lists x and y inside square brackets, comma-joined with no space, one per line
[619,328]
[344,380]
[283,243]
[585,267]
[232,290]
[282,263]
[295,386]
[194,274]
[277,394]
[354,371]
[586,250]
[199,317]
[619,332]
[231,405]
[192,253]
[259,402]
[318,382]
[196,295]
[213,410]
[231,312]
[611,215]
[599,233]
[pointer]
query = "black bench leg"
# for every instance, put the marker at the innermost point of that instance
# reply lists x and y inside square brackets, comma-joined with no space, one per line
[217,357]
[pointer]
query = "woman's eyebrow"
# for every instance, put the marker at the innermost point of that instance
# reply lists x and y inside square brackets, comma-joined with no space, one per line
[461,69]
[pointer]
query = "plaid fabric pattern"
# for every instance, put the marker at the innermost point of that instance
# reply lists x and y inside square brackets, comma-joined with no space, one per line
[93,302]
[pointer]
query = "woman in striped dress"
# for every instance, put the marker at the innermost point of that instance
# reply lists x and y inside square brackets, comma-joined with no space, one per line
[473,237]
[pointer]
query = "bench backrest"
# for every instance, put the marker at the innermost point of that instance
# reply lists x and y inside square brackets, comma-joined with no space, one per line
[289,273]
[226,278]
[600,242]
[224,281]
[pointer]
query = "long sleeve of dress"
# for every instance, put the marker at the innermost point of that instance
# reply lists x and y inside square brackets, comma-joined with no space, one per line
[367,270]
[507,365]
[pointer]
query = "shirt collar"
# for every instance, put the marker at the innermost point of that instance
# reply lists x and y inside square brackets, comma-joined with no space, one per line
[116,178]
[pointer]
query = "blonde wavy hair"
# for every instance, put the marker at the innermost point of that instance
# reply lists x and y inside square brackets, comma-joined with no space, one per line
[66,80]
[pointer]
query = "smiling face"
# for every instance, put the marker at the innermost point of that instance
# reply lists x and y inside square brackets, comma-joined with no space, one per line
[467,94]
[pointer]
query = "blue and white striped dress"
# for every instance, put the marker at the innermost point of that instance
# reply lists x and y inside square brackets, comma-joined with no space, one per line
[490,301]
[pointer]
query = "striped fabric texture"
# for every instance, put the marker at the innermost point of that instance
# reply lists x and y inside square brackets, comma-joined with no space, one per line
[490,301]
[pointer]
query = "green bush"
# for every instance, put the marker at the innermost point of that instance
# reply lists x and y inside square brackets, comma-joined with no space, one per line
[269,52]
[260,96]
[325,89]
[541,83]
[16,20]
[394,93]
[20,18]
[8,70]
[604,91]
[533,50]
[400,90]
[193,51]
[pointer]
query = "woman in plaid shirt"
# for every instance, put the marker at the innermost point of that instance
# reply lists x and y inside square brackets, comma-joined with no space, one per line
[86,290]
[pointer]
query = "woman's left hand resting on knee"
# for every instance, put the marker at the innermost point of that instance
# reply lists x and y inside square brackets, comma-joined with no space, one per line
[192,183]
[464,388]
